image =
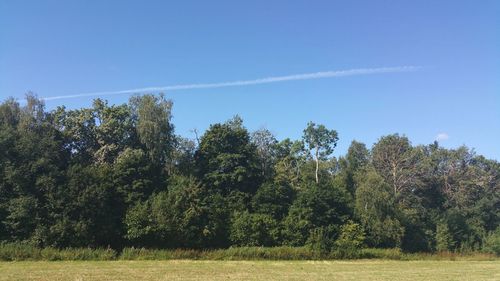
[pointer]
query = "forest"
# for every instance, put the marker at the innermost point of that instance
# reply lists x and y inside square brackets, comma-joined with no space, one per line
[119,176]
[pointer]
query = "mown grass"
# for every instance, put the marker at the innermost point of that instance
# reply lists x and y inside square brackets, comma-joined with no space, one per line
[252,270]
[22,252]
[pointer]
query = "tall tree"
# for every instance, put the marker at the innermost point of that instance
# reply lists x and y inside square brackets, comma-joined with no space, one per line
[273,199]
[320,141]
[291,157]
[396,161]
[356,159]
[375,208]
[114,131]
[226,160]
[317,206]
[155,131]
[266,143]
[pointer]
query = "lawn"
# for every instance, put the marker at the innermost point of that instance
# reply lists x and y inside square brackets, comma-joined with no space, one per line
[251,270]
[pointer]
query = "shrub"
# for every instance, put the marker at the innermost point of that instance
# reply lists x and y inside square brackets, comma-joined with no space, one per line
[254,230]
[491,243]
[321,240]
[350,241]
[444,238]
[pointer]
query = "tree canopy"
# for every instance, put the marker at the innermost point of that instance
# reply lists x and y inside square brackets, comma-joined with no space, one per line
[117,176]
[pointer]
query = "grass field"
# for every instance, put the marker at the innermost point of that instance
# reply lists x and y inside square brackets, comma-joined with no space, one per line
[252,270]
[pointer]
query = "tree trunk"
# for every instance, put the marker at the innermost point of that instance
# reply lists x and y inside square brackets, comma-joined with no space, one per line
[317,165]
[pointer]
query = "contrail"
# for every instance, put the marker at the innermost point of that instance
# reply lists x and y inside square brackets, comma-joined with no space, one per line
[305,76]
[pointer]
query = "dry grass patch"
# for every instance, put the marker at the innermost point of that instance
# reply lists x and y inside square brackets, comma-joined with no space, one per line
[252,270]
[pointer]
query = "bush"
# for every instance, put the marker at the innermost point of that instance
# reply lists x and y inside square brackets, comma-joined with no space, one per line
[350,241]
[492,243]
[315,206]
[254,230]
[444,238]
[321,240]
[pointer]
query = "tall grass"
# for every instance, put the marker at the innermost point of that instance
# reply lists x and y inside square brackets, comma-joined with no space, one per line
[397,254]
[233,253]
[289,253]
[24,252]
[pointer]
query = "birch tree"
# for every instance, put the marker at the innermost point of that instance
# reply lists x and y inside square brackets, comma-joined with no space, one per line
[320,142]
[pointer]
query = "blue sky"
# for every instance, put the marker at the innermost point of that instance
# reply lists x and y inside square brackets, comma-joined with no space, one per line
[57,48]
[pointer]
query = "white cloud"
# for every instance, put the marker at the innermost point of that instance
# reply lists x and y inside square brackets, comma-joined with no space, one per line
[442,137]
[274,79]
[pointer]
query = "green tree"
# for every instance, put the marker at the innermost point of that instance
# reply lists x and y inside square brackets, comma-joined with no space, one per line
[184,216]
[316,206]
[322,239]
[22,218]
[154,129]
[376,210]
[491,242]
[266,145]
[254,230]
[320,141]
[135,178]
[181,160]
[396,161]
[356,159]
[444,239]
[350,241]
[291,157]
[226,160]
[86,211]
[114,130]
[32,169]
[273,199]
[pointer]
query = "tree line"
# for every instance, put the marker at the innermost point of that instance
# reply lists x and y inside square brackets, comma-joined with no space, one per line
[118,176]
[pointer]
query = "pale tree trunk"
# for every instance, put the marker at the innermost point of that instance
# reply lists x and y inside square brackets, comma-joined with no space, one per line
[317,164]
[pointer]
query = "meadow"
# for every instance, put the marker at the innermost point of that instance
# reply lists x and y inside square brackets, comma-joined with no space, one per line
[251,270]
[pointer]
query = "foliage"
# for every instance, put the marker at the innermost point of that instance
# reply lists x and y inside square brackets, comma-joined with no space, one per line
[226,159]
[320,141]
[25,252]
[444,238]
[117,176]
[154,130]
[290,162]
[254,230]
[266,148]
[395,160]
[273,199]
[321,240]
[354,162]
[376,210]
[350,241]
[492,243]
[315,206]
